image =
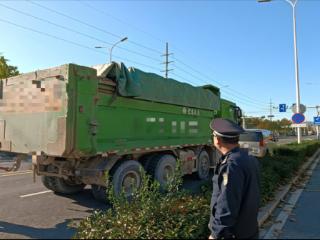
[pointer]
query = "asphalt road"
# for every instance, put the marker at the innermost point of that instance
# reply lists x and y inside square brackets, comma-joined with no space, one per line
[289,139]
[29,210]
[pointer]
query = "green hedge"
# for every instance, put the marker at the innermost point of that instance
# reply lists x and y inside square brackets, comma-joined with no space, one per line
[279,168]
[150,213]
[177,213]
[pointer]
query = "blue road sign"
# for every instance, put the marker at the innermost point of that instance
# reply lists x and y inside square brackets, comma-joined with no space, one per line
[298,118]
[316,120]
[282,108]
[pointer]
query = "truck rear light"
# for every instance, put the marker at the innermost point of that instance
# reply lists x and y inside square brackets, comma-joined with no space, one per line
[261,143]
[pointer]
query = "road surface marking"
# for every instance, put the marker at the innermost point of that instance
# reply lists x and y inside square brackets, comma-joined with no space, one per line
[15,173]
[34,194]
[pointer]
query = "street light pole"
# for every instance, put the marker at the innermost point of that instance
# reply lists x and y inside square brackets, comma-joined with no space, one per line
[122,40]
[293,5]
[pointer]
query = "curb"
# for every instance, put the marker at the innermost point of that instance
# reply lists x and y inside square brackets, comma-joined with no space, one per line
[266,211]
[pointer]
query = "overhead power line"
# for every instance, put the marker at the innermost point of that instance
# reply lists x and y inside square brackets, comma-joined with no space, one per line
[104,13]
[72,42]
[226,91]
[89,25]
[74,31]
[231,98]
[219,83]
[79,45]
[115,35]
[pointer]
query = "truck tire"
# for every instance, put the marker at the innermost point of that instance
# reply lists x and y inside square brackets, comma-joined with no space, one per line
[162,168]
[48,182]
[122,173]
[126,177]
[60,185]
[203,165]
[146,160]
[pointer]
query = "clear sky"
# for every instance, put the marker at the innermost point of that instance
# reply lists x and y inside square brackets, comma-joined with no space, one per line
[244,47]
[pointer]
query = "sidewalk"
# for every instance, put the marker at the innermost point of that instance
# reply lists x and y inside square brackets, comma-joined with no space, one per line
[304,221]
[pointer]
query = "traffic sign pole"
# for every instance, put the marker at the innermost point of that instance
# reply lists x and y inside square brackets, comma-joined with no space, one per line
[316,121]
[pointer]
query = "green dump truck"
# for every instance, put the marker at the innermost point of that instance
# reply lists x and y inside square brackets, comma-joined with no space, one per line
[79,122]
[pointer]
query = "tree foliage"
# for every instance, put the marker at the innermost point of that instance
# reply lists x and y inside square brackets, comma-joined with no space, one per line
[281,126]
[7,70]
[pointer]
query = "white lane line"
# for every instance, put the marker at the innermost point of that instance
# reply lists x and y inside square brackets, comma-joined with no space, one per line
[15,173]
[34,194]
[12,172]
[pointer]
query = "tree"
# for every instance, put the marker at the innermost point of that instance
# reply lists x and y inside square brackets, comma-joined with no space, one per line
[282,126]
[7,70]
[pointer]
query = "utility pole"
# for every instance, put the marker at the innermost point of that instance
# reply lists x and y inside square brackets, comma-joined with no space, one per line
[244,121]
[167,62]
[271,106]
[318,114]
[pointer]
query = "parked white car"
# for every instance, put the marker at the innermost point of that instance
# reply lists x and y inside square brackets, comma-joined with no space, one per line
[255,140]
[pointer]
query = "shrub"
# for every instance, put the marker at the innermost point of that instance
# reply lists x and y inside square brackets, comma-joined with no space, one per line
[150,213]
[278,169]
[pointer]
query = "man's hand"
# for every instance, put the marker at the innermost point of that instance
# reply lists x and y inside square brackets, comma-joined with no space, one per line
[211,237]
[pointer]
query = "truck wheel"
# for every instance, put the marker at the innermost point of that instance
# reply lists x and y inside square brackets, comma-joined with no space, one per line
[60,185]
[123,174]
[162,168]
[127,177]
[67,186]
[48,182]
[203,165]
[146,160]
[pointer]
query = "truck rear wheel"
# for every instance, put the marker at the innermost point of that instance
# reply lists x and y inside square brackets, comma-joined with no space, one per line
[47,182]
[162,168]
[126,177]
[203,165]
[60,185]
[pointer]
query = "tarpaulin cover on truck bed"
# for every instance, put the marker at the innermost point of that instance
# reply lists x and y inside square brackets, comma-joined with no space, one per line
[135,83]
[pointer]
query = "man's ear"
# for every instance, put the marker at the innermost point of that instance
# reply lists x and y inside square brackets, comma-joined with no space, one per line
[219,140]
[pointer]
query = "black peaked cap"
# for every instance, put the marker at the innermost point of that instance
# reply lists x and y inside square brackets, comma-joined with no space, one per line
[225,128]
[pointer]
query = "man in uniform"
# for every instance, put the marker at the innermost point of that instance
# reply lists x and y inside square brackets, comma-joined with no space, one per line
[235,197]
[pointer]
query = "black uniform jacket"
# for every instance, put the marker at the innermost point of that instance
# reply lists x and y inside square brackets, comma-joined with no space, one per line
[235,197]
